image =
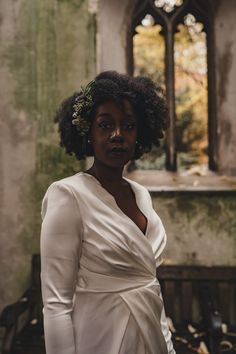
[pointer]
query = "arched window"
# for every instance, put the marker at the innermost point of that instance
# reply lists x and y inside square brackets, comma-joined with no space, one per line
[172,42]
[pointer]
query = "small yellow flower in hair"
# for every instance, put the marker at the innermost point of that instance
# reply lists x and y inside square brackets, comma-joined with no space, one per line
[82,108]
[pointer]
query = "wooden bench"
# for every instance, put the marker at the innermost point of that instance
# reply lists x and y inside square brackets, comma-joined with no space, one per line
[203,297]
[22,320]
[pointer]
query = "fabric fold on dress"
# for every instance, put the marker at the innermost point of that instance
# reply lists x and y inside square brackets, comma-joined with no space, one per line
[146,306]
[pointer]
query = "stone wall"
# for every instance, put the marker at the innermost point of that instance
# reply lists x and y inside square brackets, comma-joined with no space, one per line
[225,33]
[200,226]
[47,52]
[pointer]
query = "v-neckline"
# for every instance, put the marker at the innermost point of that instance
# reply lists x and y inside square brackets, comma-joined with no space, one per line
[117,206]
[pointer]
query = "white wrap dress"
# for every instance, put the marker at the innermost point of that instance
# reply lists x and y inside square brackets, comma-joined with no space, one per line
[99,286]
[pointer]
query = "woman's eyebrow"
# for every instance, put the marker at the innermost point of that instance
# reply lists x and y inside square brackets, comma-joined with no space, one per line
[130,116]
[103,115]
[109,115]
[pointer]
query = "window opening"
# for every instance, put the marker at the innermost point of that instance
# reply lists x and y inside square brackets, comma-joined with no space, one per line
[168,5]
[191,94]
[149,53]
[171,45]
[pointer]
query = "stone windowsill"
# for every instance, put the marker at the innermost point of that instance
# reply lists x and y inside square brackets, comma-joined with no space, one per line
[164,181]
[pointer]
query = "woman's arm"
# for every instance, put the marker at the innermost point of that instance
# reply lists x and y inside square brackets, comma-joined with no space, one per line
[60,249]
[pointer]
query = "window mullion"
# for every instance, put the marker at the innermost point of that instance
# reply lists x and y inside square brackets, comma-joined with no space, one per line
[171,163]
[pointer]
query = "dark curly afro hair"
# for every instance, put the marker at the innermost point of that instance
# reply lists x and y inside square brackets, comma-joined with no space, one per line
[146,98]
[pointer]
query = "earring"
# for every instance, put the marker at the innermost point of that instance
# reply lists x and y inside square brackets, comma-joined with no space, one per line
[89,141]
[138,146]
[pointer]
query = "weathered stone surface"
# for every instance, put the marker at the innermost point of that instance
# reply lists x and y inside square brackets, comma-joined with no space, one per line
[225,32]
[201,227]
[47,52]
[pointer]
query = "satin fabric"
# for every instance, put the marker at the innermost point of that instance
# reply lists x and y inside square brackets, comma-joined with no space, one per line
[99,285]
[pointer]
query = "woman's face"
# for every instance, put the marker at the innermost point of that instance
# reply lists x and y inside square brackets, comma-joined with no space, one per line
[114,133]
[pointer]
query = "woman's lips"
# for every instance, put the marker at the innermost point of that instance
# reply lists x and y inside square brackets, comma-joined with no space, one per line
[118,151]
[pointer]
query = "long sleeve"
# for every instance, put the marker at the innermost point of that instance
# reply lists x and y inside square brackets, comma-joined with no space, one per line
[60,249]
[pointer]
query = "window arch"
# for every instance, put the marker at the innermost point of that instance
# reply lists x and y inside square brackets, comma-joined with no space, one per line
[170,14]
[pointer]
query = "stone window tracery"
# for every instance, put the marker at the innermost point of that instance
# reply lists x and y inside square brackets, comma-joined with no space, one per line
[168,19]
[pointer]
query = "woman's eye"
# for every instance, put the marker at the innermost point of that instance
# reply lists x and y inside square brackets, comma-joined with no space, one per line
[104,125]
[130,126]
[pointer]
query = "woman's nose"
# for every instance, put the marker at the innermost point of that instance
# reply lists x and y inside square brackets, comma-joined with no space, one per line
[117,133]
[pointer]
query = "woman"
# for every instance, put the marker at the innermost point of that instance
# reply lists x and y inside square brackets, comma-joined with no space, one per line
[101,239]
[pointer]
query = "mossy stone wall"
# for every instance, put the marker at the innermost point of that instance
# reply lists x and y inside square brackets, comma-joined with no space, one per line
[200,226]
[47,52]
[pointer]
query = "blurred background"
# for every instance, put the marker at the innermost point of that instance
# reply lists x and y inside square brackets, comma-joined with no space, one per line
[50,48]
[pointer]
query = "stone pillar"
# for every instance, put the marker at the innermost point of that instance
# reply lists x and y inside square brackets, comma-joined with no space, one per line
[113,19]
[225,34]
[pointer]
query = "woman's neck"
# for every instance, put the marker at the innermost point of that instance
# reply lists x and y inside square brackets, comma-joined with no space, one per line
[106,174]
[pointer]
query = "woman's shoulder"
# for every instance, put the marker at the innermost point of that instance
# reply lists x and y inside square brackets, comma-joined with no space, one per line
[75,183]
[69,181]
